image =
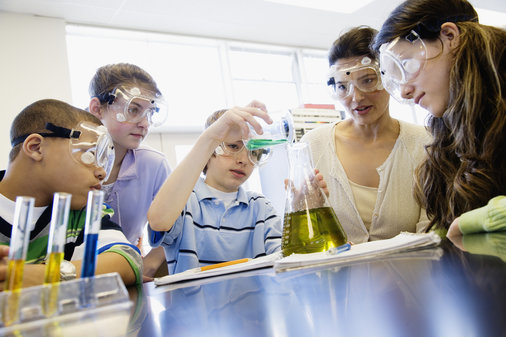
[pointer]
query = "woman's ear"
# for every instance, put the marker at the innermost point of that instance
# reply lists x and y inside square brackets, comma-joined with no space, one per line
[32,146]
[95,107]
[450,34]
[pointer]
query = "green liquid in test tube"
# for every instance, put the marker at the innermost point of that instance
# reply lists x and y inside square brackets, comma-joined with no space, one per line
[254,144]
[280,131]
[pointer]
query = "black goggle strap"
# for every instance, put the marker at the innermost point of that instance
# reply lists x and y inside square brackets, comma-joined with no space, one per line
[429,27]
[107,97]
[57,132]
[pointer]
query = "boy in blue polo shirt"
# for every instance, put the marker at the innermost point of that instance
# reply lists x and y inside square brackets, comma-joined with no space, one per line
[205,221]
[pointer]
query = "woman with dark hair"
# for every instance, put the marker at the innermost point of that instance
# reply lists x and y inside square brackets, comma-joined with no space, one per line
[367,160]
[436,54]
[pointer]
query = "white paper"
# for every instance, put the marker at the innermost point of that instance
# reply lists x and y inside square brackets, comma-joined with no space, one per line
[194,274]
[401,243]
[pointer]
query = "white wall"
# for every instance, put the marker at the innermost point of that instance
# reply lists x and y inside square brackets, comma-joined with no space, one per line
[33,65]
[167,142]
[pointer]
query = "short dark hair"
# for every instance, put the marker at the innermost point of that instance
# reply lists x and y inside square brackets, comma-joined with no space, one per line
[34,117]
[354,42]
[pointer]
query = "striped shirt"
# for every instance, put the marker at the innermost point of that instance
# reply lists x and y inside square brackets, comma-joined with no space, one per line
[206,232]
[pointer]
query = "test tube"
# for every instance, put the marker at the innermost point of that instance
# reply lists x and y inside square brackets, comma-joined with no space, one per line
[91,229]
[21,229]
[57,236]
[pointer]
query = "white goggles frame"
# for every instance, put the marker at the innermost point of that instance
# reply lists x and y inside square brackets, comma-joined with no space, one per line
[120,100]
[334,80]
[93,147]
[90,144]
[253,155]
[400,64]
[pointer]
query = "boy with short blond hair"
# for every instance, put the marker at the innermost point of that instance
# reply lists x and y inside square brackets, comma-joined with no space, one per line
[59,148]
[212,220]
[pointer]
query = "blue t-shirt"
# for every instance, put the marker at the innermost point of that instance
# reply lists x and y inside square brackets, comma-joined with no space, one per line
[207,233]
[141,175]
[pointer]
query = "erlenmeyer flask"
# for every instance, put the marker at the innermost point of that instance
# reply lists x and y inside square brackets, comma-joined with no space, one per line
[310,224]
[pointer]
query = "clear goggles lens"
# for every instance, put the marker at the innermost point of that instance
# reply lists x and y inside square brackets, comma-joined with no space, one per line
[401,61]
[258,156]
[132,105]
[364,77]
[93,147]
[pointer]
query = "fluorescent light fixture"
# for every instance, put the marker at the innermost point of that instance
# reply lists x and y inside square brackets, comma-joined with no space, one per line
[491,18]
[347,7]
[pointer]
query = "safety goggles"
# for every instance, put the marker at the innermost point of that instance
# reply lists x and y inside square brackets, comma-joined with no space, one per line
[257,157]
[132,105]
[363,76]
[401,61]
[90,144]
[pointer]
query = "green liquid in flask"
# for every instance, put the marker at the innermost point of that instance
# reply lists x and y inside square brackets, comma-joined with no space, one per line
[311,231]
[254,144]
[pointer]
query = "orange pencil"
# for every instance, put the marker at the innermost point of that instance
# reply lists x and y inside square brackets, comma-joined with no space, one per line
[223,264]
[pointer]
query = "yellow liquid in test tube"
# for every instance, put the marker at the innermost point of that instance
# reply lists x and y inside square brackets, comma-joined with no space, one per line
[50,296]
[13,283]
[52,272]
[14,279]
[51,278]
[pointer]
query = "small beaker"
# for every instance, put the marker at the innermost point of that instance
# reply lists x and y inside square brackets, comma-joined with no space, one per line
[281,131]
[310,224]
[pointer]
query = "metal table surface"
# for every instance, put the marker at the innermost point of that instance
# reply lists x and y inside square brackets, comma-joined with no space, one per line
[442,291]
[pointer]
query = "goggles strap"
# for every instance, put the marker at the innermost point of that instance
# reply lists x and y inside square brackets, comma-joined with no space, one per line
[434,26]
[107,97]
[62,132]
[58,132]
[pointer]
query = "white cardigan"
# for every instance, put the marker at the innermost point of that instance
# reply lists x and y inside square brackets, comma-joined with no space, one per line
[396,209]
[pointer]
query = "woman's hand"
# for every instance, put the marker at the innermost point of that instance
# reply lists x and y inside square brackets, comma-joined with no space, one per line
[321,182]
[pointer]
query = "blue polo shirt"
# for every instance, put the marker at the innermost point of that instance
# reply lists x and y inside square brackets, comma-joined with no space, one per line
[207,233]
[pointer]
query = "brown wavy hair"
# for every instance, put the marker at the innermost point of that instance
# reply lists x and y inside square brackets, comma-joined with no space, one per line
[466,163]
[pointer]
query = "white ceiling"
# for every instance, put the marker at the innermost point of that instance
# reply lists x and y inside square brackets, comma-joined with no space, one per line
[246,20]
